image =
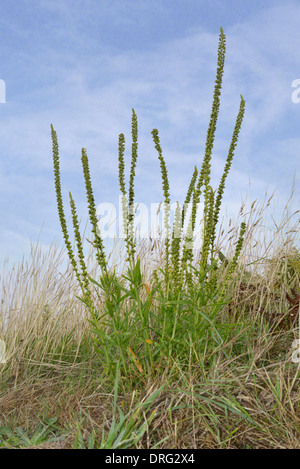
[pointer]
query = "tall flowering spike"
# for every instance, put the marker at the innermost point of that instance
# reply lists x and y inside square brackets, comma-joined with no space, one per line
[164,172]
[166,191]
[134,132]
[175,247]
[79,244]
[229,159]
[122,163]
[98,243]
[208,226]
[204,176]
[130,213]
[216,105]
[189,194]
[122,185]
[61,214]
[187,249]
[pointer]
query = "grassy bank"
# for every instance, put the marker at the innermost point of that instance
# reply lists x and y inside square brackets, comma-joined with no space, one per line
[241,394]
[163,344]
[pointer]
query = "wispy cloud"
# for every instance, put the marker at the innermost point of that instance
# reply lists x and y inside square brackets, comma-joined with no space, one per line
[86,85]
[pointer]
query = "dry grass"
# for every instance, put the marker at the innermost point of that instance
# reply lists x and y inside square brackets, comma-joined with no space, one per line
[244,394]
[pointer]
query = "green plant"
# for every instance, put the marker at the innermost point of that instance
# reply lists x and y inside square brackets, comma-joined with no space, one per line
[138,325]
[125,431]
[44,432]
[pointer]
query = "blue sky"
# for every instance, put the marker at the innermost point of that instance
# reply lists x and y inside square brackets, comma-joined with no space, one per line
[82,65]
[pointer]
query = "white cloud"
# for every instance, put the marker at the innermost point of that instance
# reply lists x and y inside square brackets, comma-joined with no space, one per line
[89,97]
